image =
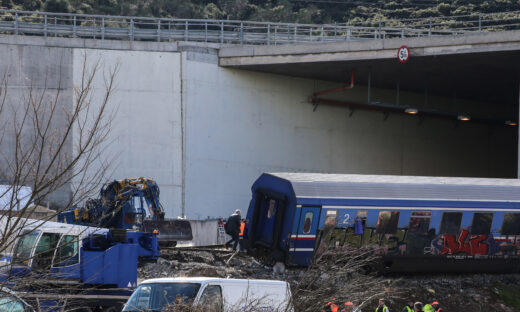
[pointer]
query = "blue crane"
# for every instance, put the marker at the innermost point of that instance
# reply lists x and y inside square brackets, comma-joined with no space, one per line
[130,204]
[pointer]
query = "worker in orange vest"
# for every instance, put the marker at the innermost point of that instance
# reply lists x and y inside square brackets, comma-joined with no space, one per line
[331,306]
[242,227]
[348,306]
[436,306]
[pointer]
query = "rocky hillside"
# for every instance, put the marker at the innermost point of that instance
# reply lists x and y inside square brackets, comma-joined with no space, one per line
[301,11]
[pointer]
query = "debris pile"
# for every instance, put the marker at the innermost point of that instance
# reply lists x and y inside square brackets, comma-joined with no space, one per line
[479,292]
[210,263]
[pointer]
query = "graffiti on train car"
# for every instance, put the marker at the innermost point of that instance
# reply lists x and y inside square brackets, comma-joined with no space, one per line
[465,243]
[404,242]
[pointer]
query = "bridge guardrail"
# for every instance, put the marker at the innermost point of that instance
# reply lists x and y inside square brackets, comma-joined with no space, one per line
[242,32]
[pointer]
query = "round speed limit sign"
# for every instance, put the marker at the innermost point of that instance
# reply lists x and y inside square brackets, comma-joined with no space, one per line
[403,54]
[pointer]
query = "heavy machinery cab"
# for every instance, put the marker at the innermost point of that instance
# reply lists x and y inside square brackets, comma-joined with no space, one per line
[88,255]
[134,213]
[51,250]
[58,266]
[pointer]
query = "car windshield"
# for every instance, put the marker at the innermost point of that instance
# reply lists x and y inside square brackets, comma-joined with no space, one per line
[9,303]
[157,296]
[24,246]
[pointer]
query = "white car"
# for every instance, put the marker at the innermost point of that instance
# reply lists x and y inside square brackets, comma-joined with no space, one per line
[10,302]
[212,294]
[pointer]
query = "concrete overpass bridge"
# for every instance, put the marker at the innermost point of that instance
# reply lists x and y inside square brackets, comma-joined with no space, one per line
[225,32]
[482,66]
[223,101]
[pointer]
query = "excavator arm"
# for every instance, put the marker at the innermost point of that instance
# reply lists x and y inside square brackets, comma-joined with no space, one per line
[131,204]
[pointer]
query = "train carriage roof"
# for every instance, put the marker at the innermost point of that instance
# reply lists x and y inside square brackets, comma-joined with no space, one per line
[316,185]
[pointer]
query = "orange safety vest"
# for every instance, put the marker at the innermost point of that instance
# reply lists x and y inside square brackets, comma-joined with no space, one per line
[333,306]
[242,227]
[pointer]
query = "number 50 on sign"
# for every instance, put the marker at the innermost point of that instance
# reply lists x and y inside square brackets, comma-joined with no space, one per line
[403,54]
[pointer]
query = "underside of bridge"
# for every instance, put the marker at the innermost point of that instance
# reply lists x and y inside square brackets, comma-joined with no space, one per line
[487,78]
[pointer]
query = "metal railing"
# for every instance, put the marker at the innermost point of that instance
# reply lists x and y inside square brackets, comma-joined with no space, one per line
[242,32]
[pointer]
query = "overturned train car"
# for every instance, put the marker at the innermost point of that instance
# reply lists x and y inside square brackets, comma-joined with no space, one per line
[416,224]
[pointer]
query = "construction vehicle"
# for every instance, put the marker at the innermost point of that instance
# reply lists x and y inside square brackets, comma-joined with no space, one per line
[58,267]
[130,204]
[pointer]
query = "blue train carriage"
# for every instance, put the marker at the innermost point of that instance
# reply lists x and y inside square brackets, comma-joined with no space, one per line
[417,224]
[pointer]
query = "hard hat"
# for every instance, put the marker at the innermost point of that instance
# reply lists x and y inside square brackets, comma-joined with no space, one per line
[435,303]
[156,232]
[348,303]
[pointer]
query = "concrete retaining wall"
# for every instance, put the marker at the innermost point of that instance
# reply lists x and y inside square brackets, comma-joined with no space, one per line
[31,73]
[241,123]
[146,136]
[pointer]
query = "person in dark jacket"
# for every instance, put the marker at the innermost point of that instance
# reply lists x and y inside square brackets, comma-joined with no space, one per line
[409,307]
[233,228]
[382,307]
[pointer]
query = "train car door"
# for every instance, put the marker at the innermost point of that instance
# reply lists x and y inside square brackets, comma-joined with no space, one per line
[304,239]
[271,207]
[269,211]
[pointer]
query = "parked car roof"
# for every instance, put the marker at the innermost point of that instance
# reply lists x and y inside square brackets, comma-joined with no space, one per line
[207,279]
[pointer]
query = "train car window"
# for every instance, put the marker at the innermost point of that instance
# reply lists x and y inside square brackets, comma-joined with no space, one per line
[420,222]
[481,223]
[387,222]
[307,223]
[450,223]
[271,210]
[360,222]
[330,217]
[511,224]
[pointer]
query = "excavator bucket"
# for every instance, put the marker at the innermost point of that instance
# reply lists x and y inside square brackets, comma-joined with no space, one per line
[170,230]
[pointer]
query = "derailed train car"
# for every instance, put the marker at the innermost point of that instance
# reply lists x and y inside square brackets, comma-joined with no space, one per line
[416,224]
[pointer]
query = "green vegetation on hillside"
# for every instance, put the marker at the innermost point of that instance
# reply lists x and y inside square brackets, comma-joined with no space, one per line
[301,11]
[510,294]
